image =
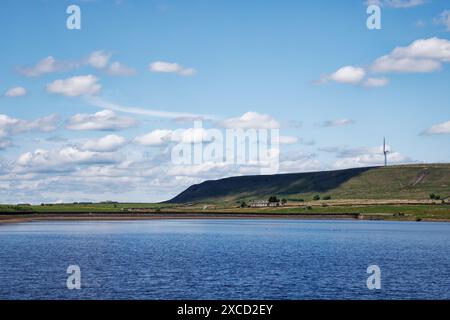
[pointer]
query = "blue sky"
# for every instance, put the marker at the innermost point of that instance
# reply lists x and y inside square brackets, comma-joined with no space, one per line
[333,87]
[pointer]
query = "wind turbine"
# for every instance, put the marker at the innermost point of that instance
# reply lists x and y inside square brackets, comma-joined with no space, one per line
[385,152]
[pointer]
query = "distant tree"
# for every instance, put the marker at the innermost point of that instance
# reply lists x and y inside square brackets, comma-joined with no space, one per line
[432,196]
[243,204]
[316,197]
[283,201]
[437,197]
[273,199]
[327,198]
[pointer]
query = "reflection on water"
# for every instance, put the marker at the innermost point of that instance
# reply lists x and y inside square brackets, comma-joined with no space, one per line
[225,259]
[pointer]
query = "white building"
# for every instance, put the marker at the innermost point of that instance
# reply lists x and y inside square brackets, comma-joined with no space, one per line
[264,203]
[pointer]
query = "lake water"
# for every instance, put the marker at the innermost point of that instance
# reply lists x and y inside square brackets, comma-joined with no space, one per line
[225,259]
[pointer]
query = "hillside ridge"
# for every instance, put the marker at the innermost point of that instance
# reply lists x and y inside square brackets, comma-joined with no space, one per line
[416,181]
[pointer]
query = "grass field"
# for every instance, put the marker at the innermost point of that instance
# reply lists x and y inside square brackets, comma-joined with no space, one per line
[70,207]
[386,212]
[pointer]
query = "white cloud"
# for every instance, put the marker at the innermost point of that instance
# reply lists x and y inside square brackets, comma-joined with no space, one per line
[99,59]
[365,160]
[169,67]
[11,126]
[191,135]
[444,19]
[387,64]
[441,128]
[118,69]
[60,159]
[204,168]
[163,136]
[347,74]
[423,55]
[397,3]
[75,86]
[99,102]
[107,143]
[15,92]
[44,124]
[48,65]
[364,156]
[337,123]
[155,138]
[251,120]
[105,120]
[376,82]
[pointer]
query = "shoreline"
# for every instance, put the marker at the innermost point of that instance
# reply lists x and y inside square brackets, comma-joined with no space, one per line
[22,218]
[18,218]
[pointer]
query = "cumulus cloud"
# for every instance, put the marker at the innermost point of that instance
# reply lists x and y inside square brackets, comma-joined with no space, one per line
[48,65]
[347,74]
[105,120]
[155,138]
[402,4]
[118,69]
[161,137]
[15,92]
[56,160]
[206,169]
[251,120]
[444,19]
[12,126]
[388,64]
[423,55]
[75,86]
[441,128]
[192,135]
[337,123]
[364,156]
[169,67]
[107,143]
[99,59]
[44,124]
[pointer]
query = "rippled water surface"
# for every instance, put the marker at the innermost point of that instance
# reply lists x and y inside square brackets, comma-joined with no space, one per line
[225,259]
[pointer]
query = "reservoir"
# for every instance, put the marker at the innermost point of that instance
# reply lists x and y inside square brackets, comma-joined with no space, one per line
[225,259]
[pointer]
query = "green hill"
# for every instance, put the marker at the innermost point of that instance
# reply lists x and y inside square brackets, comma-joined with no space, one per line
[414,182]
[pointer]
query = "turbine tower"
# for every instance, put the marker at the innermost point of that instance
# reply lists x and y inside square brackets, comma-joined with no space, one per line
[385,152]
